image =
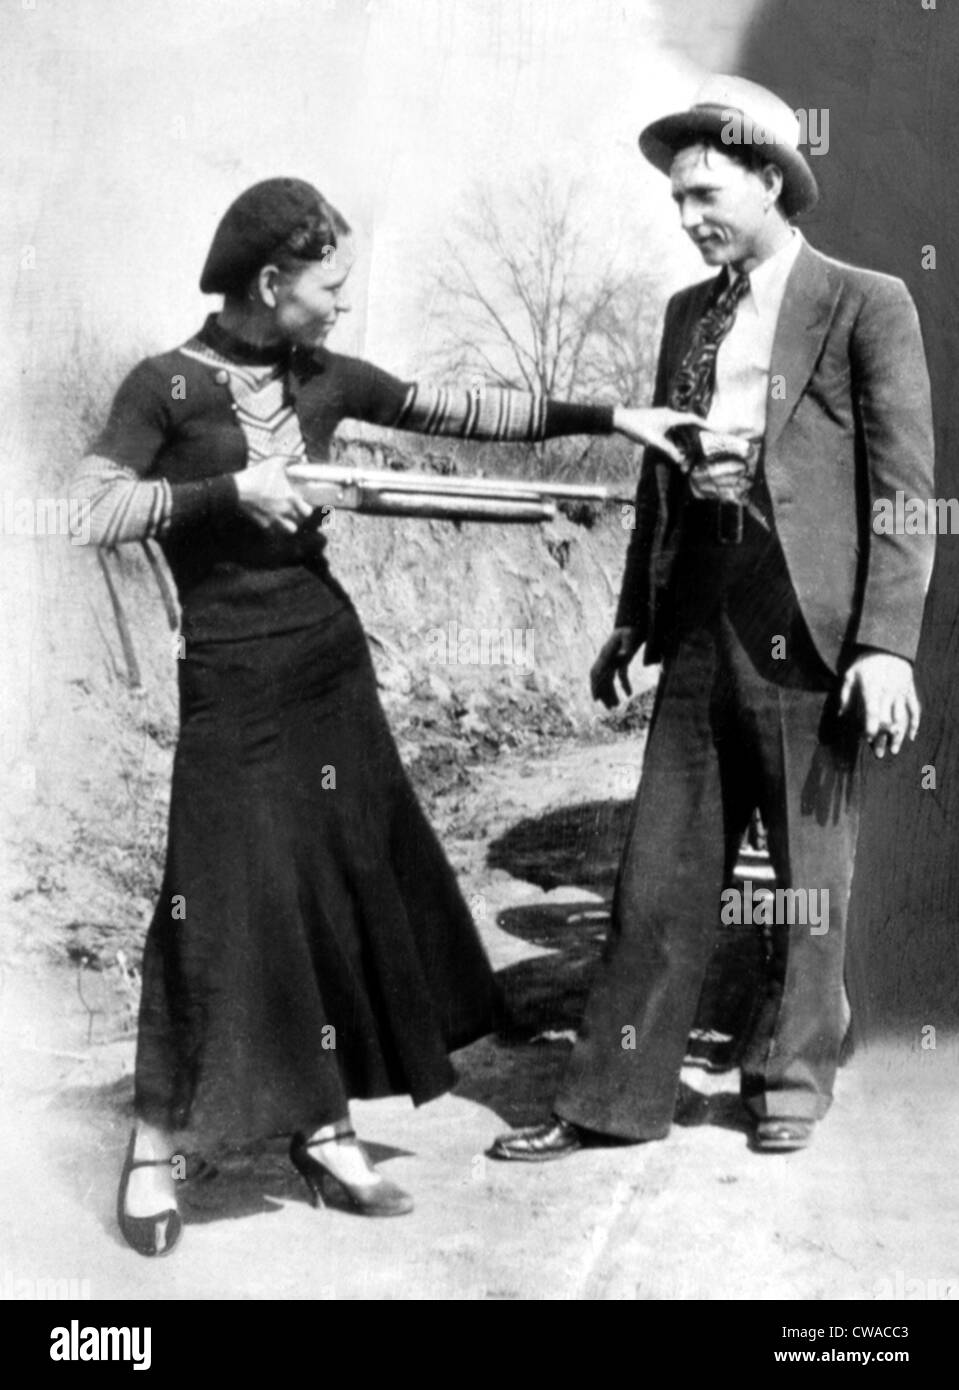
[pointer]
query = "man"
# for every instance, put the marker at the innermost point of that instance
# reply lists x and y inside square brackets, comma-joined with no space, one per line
[785,623]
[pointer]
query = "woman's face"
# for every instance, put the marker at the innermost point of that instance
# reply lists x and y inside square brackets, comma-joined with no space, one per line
[309,299]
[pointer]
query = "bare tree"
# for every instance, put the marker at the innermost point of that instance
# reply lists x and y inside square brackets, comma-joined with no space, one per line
[524,300]
[626,336]
[519,300]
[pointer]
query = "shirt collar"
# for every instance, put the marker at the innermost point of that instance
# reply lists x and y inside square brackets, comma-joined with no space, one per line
[767,281]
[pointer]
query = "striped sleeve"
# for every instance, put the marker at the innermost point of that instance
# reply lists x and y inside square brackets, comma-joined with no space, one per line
[494,413]
[482,412]
[121,507]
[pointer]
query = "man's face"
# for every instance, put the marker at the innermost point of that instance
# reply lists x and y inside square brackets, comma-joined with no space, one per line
[722,206]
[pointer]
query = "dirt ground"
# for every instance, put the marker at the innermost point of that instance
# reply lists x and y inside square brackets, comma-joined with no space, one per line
[857,1216]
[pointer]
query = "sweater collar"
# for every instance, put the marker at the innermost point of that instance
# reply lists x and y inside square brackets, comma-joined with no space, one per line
[238,349]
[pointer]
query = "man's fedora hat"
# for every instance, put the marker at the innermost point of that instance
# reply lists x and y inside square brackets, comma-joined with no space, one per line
[737,112]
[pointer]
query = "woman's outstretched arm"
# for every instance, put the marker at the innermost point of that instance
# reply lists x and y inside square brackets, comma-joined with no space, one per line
[492,412]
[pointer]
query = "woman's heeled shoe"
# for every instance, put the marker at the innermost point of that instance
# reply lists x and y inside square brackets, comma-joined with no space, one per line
[382,1198]
[147,1235]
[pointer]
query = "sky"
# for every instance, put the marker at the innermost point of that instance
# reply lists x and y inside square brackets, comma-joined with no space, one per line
[129,128]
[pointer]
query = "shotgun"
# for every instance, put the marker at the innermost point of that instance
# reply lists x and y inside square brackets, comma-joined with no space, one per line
[389,492]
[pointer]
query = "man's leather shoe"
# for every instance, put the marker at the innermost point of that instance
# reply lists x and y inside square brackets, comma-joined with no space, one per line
[555,1138]
[774,1136]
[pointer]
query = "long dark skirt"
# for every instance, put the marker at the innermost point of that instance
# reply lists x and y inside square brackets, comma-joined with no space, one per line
[310,944]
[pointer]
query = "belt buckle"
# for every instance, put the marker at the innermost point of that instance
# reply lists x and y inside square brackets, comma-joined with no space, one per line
[729,523]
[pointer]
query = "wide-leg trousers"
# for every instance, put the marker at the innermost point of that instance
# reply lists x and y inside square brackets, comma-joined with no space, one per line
[745,715]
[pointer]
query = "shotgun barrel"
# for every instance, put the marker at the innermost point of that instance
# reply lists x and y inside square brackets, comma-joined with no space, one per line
[389,492]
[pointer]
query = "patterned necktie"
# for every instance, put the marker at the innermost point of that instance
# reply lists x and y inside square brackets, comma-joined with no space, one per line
[712,474]
[693,385]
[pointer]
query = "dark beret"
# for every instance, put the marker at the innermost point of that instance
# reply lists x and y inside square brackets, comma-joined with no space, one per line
[256,224]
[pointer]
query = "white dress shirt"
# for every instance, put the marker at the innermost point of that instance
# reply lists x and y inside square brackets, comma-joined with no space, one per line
[738,406]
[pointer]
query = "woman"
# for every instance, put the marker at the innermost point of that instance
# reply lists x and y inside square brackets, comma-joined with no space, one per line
[310,943]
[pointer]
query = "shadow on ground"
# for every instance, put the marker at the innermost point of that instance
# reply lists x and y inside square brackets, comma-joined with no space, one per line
[220,1185]
[546,994]
[581,845]
[575,844]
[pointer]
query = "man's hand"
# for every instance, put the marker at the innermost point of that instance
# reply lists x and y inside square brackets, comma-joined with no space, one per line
[614,658]
[650,427]
[267,495]
[881,686]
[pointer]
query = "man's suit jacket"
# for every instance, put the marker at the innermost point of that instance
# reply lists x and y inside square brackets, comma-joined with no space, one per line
[848,421]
